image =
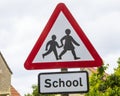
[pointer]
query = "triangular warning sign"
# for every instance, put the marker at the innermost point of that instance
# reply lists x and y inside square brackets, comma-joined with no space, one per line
[62,44]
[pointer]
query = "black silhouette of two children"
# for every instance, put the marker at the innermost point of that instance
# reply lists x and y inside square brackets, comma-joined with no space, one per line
[67,42]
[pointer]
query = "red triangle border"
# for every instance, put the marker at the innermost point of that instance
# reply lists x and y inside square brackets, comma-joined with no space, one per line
[53,65]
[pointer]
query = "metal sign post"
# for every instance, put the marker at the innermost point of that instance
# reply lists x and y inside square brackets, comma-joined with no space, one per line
[64,94]
[64,70]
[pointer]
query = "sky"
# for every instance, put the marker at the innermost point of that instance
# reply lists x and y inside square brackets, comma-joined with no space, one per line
[22,21]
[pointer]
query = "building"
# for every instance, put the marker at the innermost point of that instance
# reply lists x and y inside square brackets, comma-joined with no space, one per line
[6,89]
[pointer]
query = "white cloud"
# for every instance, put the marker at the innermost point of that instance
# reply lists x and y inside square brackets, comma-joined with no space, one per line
[104,32]
[112,59]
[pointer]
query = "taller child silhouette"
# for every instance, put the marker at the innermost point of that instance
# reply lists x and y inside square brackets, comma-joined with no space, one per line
[68,44]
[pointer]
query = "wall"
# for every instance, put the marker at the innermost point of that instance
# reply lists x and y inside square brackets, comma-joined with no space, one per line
[5,77]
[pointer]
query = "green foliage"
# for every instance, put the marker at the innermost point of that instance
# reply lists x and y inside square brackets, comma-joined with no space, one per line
[102,84]
[36,93]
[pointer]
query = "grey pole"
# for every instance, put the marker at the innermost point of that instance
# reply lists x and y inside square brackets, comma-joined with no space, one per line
[64,70]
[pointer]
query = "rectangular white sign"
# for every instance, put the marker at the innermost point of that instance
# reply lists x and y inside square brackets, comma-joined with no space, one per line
[63,82]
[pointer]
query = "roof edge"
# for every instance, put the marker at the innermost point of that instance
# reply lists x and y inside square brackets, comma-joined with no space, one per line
[6,63]
[14,91]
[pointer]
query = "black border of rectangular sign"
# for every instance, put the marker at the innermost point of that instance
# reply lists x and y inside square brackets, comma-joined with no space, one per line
[63,73]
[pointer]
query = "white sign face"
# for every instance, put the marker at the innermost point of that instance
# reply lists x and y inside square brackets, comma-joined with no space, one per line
[58,29]
[66,82]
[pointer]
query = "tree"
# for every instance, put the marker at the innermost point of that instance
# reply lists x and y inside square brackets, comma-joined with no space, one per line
[36,93]
[102,84]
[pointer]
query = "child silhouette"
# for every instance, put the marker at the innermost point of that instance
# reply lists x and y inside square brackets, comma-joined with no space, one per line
[68,44]
[52,47]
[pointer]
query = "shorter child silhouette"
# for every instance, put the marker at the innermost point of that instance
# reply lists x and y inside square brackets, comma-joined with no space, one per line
[53,44]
